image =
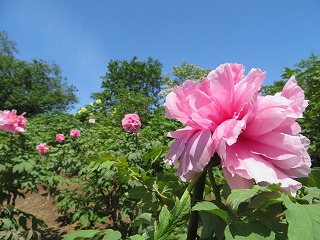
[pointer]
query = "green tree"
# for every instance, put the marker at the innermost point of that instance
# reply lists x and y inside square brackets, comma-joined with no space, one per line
[131,86]
[182,73]
[7,47]
[33,87]
[307,74]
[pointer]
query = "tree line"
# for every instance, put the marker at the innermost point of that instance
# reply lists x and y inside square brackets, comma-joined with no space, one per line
[128,86]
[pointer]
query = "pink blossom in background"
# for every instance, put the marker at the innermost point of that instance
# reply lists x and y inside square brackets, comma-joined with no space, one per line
[43,149]
[92,121]
[11,122]
[131,123]
[60,137]
[257,137]
[75,133]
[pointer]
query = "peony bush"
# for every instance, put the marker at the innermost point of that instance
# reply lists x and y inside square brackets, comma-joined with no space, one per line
[234,166]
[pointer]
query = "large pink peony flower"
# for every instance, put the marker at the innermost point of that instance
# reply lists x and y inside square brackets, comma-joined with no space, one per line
[255,136]
[43,149]
[131,123]
[60,137]
[75,133]
[11,122]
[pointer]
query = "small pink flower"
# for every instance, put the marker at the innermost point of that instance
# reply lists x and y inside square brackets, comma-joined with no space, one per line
[92,121]
[9,121]
[43,149]
[60,137]
[131,123]
[257,137]
[75,133]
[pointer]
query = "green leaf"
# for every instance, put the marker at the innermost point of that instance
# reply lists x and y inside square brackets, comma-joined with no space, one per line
[212,208]
[313,193]
[82,234]
[170,224]
[112,235]
[144,218]
[84,220]
[313,179]
[137,237]
[7,223]
[101,158]
[303,220]
[265,199]
[138,192]
[107,165]
[212,223]
[155,153]
[238,196]
[248,231]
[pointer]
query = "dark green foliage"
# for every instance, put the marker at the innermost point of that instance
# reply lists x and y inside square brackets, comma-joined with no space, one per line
[131,87]
[32,87]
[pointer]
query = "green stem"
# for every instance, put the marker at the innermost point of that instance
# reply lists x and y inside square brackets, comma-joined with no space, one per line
[197,196]
[137,144]
[215,187]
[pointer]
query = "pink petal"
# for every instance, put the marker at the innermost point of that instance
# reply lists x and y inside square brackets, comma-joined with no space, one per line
[269,113]
[178,145]
[293,92]
[229,131]
[235,181]
[196,154]
[239,160]
[282,150]
[221,83]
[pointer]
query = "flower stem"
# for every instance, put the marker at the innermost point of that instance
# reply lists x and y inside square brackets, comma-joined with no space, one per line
[197,196]
[137,144]
[215,187]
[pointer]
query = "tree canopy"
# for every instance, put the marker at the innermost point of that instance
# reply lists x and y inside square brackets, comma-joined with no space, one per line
[32,87]
[131,86]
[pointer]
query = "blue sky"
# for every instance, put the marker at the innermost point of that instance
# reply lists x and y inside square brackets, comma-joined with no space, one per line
[83,36]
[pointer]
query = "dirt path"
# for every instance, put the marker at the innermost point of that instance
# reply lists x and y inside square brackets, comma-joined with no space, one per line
[46,209]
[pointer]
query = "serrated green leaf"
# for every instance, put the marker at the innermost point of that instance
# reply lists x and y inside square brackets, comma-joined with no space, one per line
[112,235]
[265,199]
[144,218]
[303,220]
[155,153]
[164,222]
[212,208]
[170,224]
[238,196]
[7,223]
[106,165]
[138,192]
[81,234]
[137,237]
[84,220]
[313,193]
[211,223]
[248,231]
[101,158]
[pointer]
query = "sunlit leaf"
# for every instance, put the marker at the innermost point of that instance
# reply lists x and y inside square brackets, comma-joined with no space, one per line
[212,208]
[303,220]
[82,234]
[112,235]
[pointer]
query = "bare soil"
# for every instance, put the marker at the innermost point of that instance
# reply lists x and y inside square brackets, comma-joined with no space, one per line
[45,208]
